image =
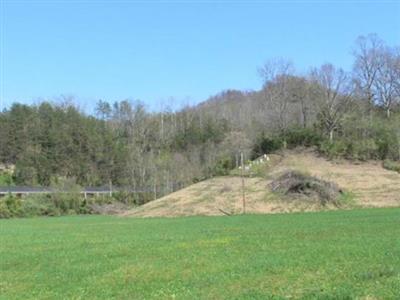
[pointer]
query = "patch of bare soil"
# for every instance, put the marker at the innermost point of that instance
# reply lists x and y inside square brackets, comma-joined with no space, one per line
[371,185]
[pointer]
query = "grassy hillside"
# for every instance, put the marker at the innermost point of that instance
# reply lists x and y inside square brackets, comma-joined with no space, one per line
[325,255]
[366,184]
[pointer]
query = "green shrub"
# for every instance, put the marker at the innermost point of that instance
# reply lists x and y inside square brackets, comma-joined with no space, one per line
[381,148]
[334,149]
[223,166]
[6,179]
[387,146]
[33,207]
[391,165]
[305,137]
[293,137]
[4,211]
[266,145]
[14,205]
[66,202]
[58,204]
[39,205]
[362,150]
[10,206]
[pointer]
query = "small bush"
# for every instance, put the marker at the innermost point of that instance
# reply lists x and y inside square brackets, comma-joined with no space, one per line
[223,166]
[391,165]
[362,150]
[266,145]
[258,170]
[14,205]
[10,206]
[39,205]
[65,202]
[6,179]
[4,211]
[333,149]
[33,206]
[305,137]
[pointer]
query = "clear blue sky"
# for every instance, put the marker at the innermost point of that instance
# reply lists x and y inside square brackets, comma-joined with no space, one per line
[114,50]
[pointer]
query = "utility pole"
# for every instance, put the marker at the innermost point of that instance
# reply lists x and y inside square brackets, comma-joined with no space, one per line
[155,188]
[242,175]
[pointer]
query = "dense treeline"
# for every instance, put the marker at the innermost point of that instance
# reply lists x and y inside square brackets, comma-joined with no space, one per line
[124,145]
[353,115]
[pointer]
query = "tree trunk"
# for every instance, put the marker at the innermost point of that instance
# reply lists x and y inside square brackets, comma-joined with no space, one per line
[331,136]
[155,190]
[388,112]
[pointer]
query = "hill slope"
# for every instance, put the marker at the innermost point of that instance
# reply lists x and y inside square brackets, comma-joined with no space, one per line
[369,185]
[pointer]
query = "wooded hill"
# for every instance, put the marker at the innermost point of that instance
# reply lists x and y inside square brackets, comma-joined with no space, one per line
[354,114]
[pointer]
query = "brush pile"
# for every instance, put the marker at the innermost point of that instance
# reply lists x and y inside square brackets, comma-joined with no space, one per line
[297,185]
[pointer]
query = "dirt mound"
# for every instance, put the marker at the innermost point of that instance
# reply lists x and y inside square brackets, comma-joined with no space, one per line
[210,197]
[368,184]
[297,185]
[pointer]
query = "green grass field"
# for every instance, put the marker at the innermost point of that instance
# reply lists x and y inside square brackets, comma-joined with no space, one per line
[325,255]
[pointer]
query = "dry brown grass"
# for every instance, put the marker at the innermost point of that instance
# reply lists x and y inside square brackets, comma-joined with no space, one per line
[372,186]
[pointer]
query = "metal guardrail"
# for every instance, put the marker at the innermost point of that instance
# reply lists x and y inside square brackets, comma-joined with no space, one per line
[24,190]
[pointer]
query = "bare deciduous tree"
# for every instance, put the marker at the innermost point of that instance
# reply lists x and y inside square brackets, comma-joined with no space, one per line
[276,75]
[334,95]
[387,79]
[367,63]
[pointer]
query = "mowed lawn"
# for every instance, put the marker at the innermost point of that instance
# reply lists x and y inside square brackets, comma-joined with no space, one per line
[325,255]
